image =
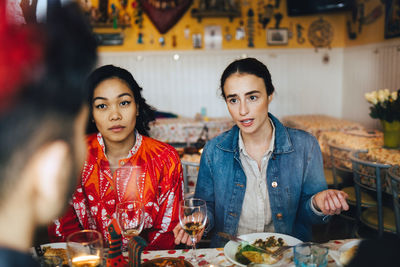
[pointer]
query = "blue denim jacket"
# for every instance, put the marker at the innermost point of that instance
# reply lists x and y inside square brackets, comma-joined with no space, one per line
[295,173]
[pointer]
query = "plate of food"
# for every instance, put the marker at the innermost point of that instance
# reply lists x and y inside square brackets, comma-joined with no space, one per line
[347,252]
[241,254]
[167,262]
[54,249]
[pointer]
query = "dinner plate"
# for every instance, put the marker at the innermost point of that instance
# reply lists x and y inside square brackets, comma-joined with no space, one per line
[52,245]
[166,262]
[231,247]
[335,255]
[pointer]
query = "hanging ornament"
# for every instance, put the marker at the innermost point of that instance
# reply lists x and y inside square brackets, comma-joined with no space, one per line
[250,28]
[138,13]
[174,40]
[140,38]
[320,34]
[240,33]
[186,31]
[228,36]
[165,13]
[161,40]
[300,38]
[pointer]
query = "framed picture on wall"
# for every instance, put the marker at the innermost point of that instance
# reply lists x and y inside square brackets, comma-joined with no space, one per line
[392,19]
[277,36]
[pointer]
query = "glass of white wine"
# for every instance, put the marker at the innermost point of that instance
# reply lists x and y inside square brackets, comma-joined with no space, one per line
[85,249]
[130,218]
[193,218]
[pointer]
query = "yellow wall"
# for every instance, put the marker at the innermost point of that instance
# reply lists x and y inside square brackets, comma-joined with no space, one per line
[371,33]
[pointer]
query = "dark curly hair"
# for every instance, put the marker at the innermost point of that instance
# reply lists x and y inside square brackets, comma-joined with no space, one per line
[146,112]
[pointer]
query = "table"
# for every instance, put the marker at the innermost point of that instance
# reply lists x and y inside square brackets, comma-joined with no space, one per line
[183,130]
[353,139]
[216,256]
[316,124]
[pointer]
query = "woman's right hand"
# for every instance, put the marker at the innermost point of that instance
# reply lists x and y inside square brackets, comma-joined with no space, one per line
[182,237]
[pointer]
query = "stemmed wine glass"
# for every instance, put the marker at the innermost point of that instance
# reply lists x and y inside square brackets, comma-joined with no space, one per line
[130,218]
[193,218]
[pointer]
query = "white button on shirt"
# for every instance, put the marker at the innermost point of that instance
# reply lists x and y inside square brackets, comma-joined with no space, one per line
[256,211]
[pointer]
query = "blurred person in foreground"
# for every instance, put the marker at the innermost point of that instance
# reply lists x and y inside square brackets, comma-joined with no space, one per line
[261,176]
[42,122]
[119,140]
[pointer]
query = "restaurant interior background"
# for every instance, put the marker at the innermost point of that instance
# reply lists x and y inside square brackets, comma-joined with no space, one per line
[323,65]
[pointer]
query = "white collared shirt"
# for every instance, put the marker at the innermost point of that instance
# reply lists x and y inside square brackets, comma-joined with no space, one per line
[256,214]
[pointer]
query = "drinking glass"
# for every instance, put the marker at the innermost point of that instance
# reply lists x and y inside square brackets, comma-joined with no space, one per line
[310,255]
[193,218]
[85,248]
[130,217]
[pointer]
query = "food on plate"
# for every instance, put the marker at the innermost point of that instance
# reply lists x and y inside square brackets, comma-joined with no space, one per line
[249,253]
[346,256]
[60,252]
[165,262]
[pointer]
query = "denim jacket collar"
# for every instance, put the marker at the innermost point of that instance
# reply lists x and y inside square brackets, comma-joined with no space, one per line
[283,144]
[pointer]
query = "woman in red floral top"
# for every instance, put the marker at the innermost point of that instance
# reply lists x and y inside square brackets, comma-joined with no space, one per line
[120,117]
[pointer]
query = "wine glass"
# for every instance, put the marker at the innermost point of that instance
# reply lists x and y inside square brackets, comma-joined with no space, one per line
[193,218]
[130,217]
[85,248]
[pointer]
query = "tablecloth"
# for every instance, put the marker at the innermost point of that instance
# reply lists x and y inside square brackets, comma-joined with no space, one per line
[215,256]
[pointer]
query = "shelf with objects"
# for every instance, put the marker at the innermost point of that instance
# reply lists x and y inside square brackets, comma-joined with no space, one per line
[216,9]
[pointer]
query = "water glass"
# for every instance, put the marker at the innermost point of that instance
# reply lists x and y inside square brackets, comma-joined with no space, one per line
[310,255]
[85,248]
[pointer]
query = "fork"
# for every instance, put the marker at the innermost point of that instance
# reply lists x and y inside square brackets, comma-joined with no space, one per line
[280,250]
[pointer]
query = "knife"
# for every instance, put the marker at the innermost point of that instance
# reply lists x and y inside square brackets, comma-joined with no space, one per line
[239,240]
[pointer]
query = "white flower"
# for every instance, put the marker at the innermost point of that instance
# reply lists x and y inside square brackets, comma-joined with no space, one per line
[394,95]
[372,97]
[383,95]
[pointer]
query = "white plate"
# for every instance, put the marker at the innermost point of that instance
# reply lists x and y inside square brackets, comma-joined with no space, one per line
[231,247]
[335,255]
[52,245]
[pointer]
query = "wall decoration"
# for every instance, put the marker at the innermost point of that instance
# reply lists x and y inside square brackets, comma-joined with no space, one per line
[392,19]
[277,36]
[212,37]
[196,39]
[186,32]
[240,33]
[228,35]
[300,38]
[250,28]
[320,34]
[165,14]
[216,8]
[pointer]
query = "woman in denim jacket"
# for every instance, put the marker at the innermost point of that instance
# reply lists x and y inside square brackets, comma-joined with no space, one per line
[261,176]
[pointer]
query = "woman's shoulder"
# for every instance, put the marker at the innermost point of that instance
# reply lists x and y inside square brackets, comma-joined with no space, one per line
[300,137]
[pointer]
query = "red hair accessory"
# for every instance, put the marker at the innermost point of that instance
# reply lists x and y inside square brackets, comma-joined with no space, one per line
[21,49]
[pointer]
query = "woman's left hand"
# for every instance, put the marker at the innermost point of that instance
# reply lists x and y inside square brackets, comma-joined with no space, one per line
[331,201]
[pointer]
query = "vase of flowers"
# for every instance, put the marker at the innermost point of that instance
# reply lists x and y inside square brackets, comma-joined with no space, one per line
[386,107]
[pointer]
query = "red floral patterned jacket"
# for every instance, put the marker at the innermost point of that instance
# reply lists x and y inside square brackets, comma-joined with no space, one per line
[159,185]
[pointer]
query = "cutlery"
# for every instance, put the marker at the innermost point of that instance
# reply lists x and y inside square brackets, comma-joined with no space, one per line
[280,250]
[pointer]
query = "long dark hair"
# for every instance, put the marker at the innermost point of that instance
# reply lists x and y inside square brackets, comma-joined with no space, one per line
[248,66]
[146,112]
